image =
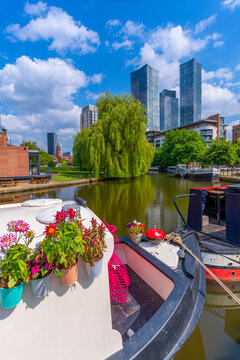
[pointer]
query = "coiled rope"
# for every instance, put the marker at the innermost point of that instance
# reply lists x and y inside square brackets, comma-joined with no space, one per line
[175,237]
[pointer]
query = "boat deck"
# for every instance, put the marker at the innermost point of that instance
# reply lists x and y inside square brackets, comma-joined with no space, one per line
[140,306]
[218,231]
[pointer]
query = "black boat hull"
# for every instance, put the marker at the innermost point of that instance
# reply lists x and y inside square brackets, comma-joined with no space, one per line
[168,329]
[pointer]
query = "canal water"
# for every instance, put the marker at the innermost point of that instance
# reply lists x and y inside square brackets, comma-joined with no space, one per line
[149,199]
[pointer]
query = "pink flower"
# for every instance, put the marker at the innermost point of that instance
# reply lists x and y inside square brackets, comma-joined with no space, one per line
[86,248]
[60,216]
[47,266]
[21,226]
[7,240]
[35,269]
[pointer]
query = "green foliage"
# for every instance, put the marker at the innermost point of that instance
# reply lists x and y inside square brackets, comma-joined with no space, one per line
[13,267]
[44,156]
[63,245]
[221,152]
[157,157]
[182,146]
[51,164]
[64,164]
[116,143]
[237,148]
[93,242]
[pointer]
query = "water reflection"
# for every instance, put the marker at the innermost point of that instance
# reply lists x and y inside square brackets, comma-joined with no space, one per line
[150,199]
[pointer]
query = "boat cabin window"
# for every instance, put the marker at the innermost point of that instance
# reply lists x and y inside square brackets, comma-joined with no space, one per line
[214,208]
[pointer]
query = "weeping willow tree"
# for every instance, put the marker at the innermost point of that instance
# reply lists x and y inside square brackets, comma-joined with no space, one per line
[116,144]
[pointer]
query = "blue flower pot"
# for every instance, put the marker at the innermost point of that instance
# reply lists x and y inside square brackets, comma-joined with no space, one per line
[94,271]
[9,298]
[40,287]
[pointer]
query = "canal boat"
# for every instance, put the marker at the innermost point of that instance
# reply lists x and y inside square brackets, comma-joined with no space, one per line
[209,174]
[214,212]
[165,300]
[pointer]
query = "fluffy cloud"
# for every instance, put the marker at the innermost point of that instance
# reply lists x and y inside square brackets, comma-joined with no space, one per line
[131,28]
[218,44]
[218,99]
[202,25]
[35,9]
[223,74]
[230,4]
[113,22]
[91,96]
[41,93]
[57,26]
[126,44]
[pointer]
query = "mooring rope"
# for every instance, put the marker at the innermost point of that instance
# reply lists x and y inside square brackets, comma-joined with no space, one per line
[178,239]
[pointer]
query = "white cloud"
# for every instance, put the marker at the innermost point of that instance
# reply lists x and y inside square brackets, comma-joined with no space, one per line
[39,96]
[223,74]
[35,9]
[131,28]
[113,22]
[202,25]
[216,99]
[175,42]
[61,28]
[218,44]
[230,4]
[237,67]
[91,95]
[126,44]
[229,128]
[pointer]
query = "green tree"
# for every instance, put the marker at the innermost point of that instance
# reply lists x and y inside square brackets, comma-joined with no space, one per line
[116,144]
[44,156]
[221,152]
[182,146]
[157,157]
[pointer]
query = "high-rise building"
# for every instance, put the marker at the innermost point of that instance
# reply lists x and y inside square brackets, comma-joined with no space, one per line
[52,143]
[145,88]
[190,92]
[88,116]
[168,110]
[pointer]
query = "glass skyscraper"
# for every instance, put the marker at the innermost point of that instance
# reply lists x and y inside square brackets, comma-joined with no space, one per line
[190,92]
[52,143]
[168,110]
[145,88]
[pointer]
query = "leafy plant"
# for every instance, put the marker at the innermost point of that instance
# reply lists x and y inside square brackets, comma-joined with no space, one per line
[14,267]
[136,228]
[93,242]
[38,265]
[63,241]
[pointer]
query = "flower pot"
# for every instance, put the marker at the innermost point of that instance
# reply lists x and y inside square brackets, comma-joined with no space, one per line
[136,238]
[70,276]
[94,271]
[9,298]
[40,287]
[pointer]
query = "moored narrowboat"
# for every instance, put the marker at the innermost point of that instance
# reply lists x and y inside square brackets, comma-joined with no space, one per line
[162,309]
[214,212]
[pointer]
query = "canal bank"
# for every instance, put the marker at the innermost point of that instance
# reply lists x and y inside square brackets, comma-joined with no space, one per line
[27,187]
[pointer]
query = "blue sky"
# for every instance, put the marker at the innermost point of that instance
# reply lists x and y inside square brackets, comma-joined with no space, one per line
[57,56]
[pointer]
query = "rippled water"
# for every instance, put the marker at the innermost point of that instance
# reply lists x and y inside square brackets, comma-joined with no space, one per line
[150,199]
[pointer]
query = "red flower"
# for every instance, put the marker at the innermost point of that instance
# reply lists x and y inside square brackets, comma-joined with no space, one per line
[71,213]
[60,216]
[50,230]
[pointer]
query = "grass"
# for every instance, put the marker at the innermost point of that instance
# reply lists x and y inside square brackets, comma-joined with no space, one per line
[68,174]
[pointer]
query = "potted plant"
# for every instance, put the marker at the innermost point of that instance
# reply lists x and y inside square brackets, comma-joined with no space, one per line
[13,267]
[136,230]
[63,244]
[94,245]
[40,271]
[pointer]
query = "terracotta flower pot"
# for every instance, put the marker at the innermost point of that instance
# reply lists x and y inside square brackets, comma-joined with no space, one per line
[136,238]
[70,276]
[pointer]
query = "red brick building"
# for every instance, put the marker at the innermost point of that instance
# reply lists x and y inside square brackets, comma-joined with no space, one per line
[235,133]
[14,160]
